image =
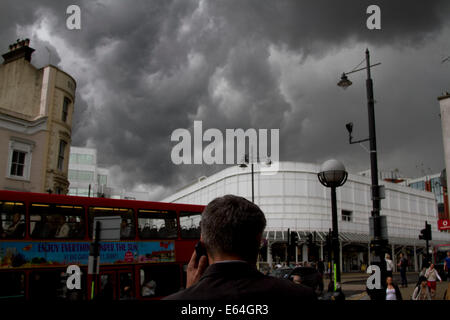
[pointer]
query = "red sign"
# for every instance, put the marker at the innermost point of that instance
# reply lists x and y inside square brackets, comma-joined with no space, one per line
[444,224]
[129,257]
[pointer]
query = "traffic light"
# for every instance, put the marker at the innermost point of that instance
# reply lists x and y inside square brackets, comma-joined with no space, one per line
[310,240]
[425,234]
[294,238]
[329,239]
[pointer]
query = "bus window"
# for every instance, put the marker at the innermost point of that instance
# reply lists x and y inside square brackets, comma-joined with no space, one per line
[12,285]
[54,221]
[107,285]
[157,224]
[12,220]
[190,224]
[52,285]
[127,226]
[159,280]
[126,290]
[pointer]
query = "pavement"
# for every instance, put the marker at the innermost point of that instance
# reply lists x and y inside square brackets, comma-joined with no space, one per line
[354,286]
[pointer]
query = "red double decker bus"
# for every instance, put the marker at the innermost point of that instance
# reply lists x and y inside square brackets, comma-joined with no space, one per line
[42,234]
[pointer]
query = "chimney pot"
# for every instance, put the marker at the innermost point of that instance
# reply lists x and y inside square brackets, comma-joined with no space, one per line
[18,50]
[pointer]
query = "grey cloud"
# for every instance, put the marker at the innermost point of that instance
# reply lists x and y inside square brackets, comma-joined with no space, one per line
[160,74]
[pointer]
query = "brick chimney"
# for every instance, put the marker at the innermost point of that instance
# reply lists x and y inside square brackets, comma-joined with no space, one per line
[18,50]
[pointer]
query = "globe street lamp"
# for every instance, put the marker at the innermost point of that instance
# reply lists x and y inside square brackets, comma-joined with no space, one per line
[332,175]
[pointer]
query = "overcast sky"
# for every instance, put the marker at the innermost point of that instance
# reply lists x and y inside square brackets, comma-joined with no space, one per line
[146,68]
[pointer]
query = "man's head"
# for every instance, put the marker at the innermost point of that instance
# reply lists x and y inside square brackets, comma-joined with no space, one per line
[233,226]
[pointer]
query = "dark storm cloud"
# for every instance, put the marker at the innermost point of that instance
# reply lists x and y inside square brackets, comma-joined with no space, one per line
[155,66]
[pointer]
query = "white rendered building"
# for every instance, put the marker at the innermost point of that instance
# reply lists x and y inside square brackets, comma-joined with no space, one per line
[294,199]
[86,178]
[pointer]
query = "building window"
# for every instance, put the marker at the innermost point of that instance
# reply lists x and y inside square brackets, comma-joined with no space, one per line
[73,158]
[18,163]
[84,175]
[85,159]
[65,109]
[102,179]
[79,158]
[19,160]
[62,149]
[347,215]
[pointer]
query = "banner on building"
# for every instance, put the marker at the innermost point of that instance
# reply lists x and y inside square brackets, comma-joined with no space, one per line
[444,224]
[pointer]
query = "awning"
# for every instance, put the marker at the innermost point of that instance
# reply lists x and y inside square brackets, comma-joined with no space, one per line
[344,237]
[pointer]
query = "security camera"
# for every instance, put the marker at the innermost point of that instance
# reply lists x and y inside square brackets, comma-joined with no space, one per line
[349,127]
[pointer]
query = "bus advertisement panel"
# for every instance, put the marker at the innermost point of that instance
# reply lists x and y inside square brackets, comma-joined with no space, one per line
[26,254]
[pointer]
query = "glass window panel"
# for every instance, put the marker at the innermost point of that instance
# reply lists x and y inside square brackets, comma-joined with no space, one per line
[190,224]
[12,220]
[127,227]
[54,221]
[52,285]
[159,280]
[126,289]
[12,285]
[157,224]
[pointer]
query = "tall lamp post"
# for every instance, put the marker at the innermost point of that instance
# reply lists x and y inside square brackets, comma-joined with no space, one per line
[245,164]
[379,239]
[333,175]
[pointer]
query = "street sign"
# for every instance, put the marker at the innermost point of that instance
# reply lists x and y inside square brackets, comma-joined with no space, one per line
[444,224]
[110,229]
[382,226]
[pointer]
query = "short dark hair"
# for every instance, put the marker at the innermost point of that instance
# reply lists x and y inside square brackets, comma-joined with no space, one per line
[233,225]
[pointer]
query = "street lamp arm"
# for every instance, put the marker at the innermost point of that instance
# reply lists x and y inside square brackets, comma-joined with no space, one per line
[358,141]
[360,69]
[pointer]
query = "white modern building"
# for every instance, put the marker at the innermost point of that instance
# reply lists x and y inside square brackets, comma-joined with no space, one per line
[294,199]
[85,177]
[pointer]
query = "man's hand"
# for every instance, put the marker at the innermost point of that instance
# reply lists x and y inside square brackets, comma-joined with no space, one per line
[195,270]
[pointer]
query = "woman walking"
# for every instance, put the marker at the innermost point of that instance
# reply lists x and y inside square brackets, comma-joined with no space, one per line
[421,292]
[389,265]
[392,290]
[432,275]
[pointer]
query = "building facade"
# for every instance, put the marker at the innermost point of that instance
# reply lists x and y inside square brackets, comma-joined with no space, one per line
[36,108]
[85,176]
[88,179]
[294,199]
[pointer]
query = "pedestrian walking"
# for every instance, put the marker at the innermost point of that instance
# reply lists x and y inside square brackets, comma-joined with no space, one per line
[392,290]
[403,264]
[389,265]
[321,267]
[432,276]
[447,265]
[422,291]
